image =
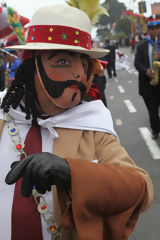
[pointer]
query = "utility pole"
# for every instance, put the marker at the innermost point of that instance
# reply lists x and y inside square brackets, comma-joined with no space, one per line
[142,12]
[132,22]
[132,25]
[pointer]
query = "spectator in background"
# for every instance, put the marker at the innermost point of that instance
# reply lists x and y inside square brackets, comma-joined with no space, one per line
[132,44]
[137,39]
[127,41]
[140,38]
[110,58]
[143,63]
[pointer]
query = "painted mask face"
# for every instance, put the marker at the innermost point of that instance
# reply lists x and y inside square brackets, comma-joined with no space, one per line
[60,80]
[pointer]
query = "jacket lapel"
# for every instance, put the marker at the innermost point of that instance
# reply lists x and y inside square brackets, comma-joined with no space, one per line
[68,142]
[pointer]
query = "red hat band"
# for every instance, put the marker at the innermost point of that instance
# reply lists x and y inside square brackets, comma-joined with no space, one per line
[58,35]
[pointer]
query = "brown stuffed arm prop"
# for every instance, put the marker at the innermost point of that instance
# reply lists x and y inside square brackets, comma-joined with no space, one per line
[94,67]
[107,198]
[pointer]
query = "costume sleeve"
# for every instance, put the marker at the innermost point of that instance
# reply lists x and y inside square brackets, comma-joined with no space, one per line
[107,198]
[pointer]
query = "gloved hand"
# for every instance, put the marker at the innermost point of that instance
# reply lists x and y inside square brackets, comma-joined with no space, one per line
[40,170]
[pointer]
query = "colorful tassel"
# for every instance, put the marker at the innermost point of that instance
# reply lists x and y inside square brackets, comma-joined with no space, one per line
[15,23]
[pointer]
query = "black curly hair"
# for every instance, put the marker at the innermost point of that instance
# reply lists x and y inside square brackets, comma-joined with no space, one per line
[23,86]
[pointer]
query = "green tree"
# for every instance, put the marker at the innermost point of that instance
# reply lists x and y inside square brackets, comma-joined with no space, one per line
[115,10]
[123,25]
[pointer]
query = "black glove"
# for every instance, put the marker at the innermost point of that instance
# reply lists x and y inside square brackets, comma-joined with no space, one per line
[40,170]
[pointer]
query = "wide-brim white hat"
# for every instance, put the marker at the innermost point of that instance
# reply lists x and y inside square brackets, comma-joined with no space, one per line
[59,27]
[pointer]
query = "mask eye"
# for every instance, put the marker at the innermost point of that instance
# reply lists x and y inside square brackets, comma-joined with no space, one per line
[63,61]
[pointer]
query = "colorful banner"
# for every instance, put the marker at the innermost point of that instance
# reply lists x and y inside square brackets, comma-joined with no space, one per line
[10,23]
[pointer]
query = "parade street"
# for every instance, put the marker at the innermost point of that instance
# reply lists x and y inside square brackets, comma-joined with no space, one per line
[131,122]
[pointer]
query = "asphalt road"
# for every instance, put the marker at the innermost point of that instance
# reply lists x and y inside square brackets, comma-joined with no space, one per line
[131,122]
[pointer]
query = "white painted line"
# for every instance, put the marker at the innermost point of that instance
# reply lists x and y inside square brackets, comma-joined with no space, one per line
[130,81]
[151,144]
[131,70]
[116,79]
[130,106]
[118,122]
[121,89]
[111,97]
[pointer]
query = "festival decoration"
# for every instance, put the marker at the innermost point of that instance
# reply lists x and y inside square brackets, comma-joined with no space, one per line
[91,7]
[6,30]
[132,14]
[16,25]
[13,39]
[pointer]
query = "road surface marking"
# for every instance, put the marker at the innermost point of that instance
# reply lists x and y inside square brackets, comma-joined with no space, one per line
[121,89]
[115,79]
[118,122]
[111,97]
[130,106]
[131,70]
[151,144]
[130,81]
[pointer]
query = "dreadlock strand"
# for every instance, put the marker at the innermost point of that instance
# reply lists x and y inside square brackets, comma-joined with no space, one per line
[32,99]
[18,98]
[22,87]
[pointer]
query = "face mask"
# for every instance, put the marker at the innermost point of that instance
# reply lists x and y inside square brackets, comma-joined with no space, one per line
[56,88]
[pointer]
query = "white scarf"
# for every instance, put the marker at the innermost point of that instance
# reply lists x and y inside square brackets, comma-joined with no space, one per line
[92,116]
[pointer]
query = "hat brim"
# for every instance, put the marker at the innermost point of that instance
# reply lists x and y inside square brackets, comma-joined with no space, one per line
[93,52]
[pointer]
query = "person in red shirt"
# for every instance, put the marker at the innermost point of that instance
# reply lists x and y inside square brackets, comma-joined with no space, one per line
[132,44]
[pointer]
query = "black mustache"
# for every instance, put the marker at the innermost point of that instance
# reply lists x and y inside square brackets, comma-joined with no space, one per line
[56,88]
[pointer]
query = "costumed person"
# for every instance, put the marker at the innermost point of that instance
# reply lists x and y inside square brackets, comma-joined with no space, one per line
[70,178]
[147,52]
[133,44]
